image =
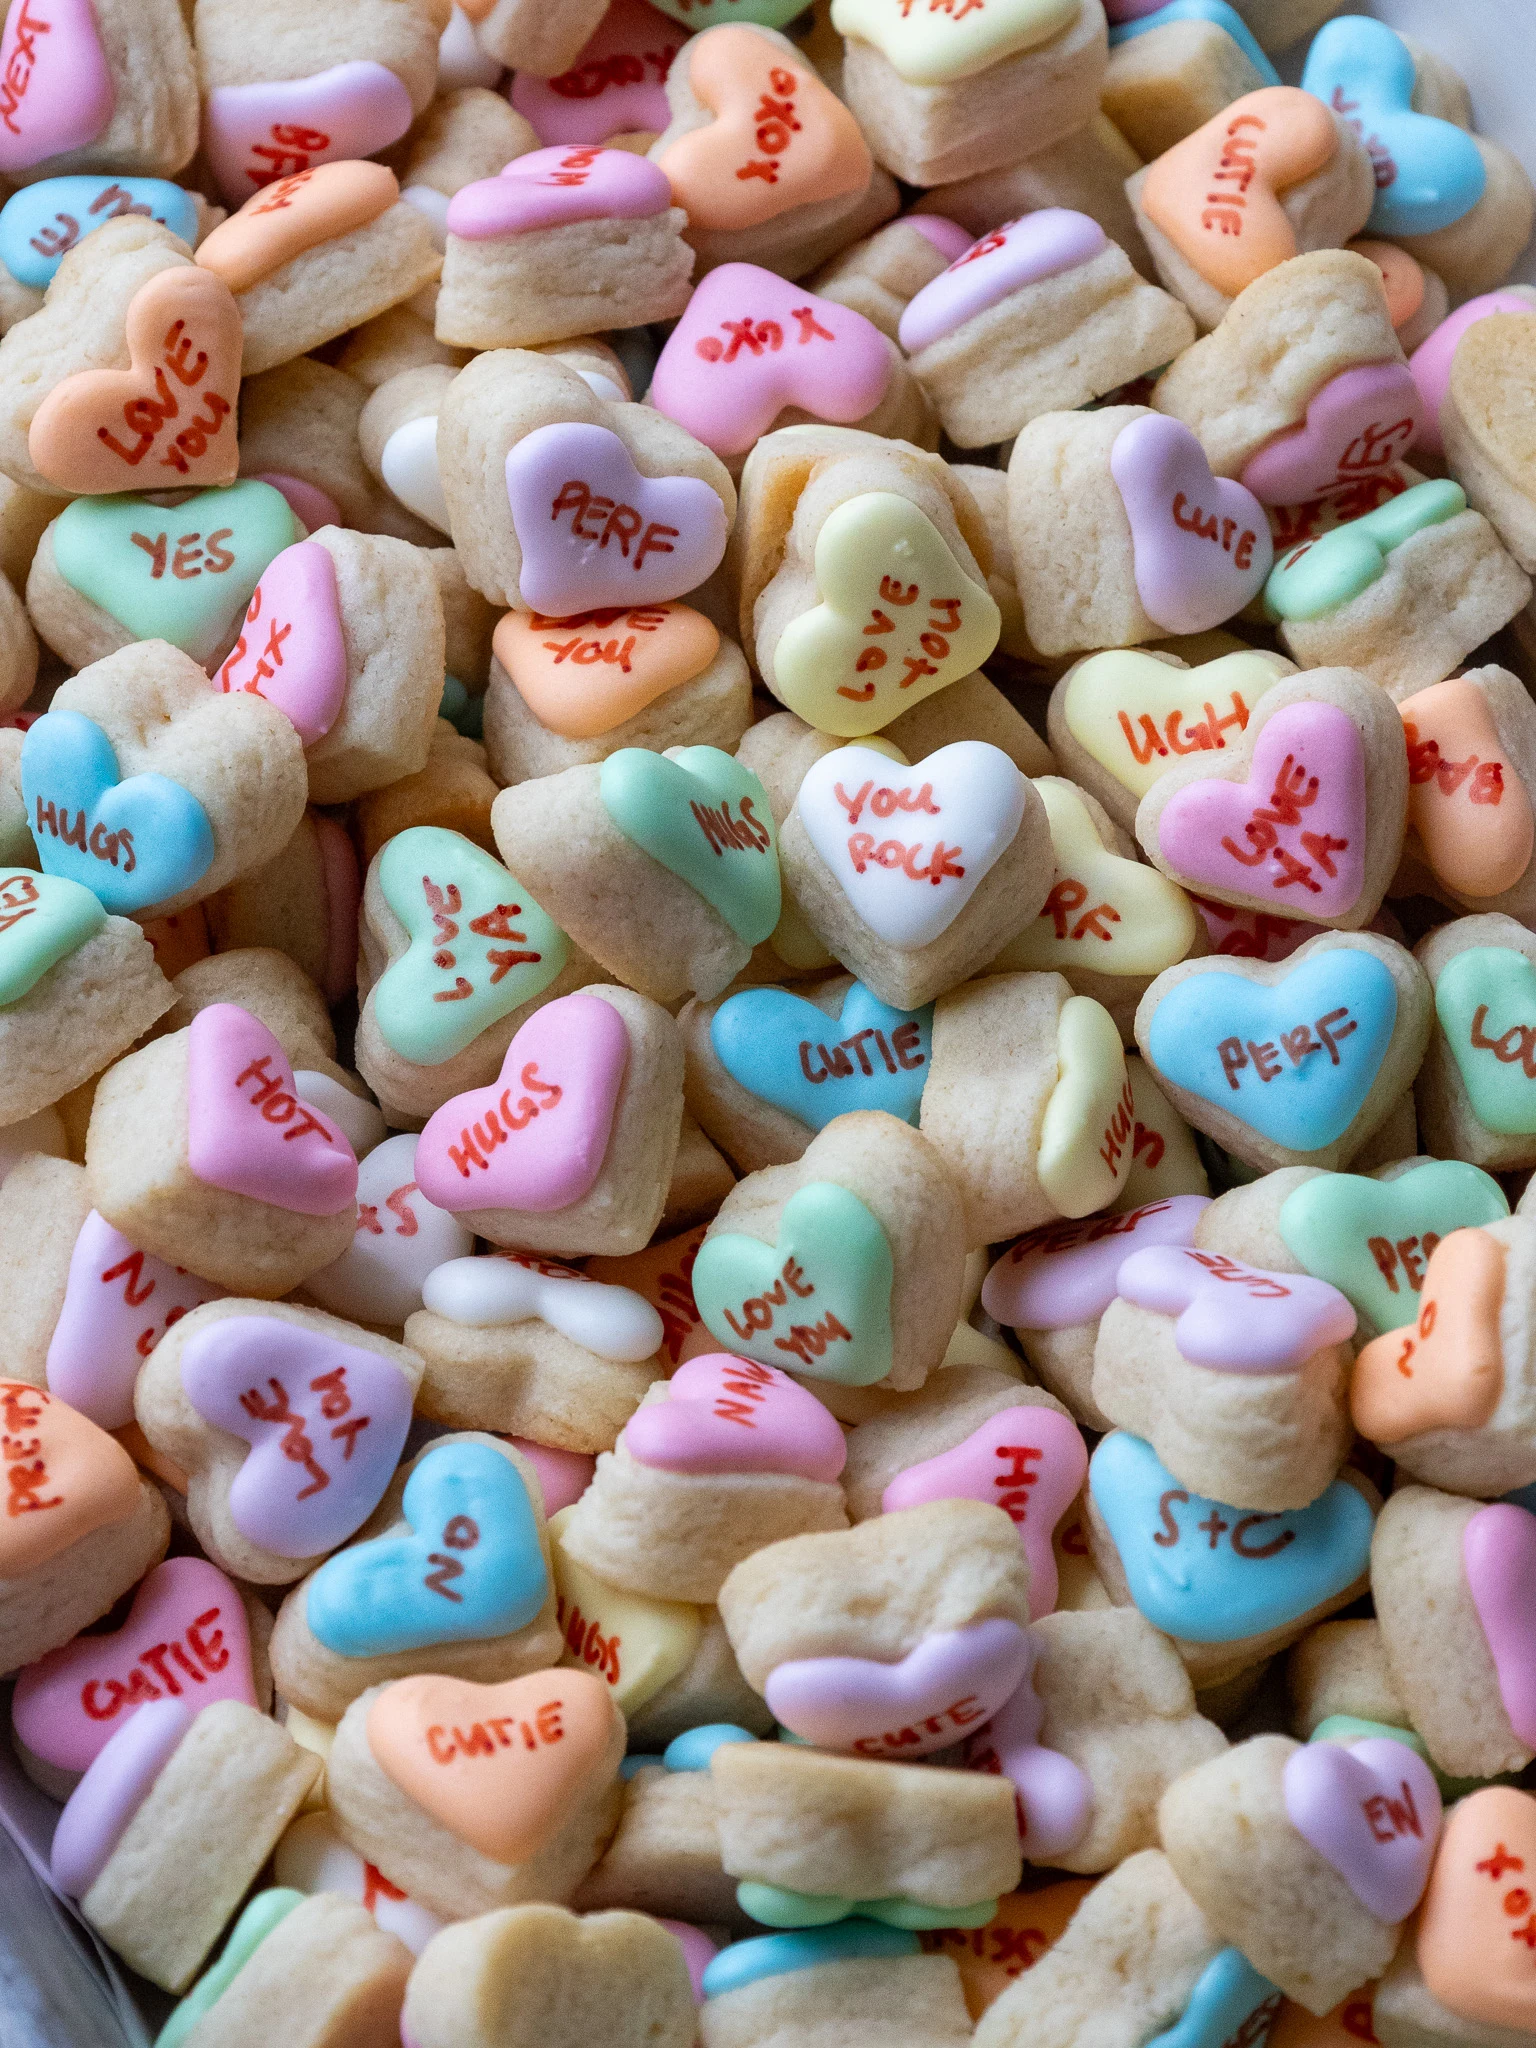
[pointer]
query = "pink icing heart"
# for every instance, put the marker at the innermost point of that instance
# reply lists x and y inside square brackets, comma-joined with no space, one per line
[748,345]
[57,90]
[118,1303]
[615,85]
[1201,544]
[1244,934]
[595,532]
[291,649]
[1064,1272]
[551,1108]
[549,187]
[1293,832]
[1018,253]
[1372,1810]
[923,1702]
[1053,1797]
[1498,1555]
[698,1953]
[316,508]
[1237,1318]
[1359,423]
[725,1414]
[255,133]
[326,1423]
[118,1782]
[186,1638]
[1030,1462]
[564,1476]
[247,1130]
[1430,362]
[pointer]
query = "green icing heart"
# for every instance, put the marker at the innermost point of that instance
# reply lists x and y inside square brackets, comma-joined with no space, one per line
[699,14]
[707,820]
[267,1910]
[183,574]
[1486,1003]
[480,946]
[818,1302]
[1321,575]
[1372,1238]
[43,919]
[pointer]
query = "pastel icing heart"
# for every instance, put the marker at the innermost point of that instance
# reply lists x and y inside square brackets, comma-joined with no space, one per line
[1467,800]
[1373,1239]
[727,1414]
[1447,1372]
[921,1702]
[635,1645]
[1030,1462]
[1217,194]
[1244,934]
[64,1478]
[291,648]
[937,46]
[574,489]
[183,576]
[312,507]
[773,1905]
[290,218]
[1230,2004]
[249,1131]
[583,676]
[312,1857]
[678,806]
[1105,914]
[172,409]
[1359,422]
[497,1765]
[1325,574]
[1429,173]
[778,1955]
[400,1240]
[471,1568]
[266,1912]
[1477,1926]
[1064,1273]
[1498,1556]
[1232,1317]
[43,919]
[1019,253]
[1201,543]
[749,344]
[41,223]
[132,841]
[1084,1149]
[1294,1059]
[480,947]
[536,1138]
[113,1789]
[516,1287]
[909,848]
[1053,1799]
[118,1303]
[616,84]
[409,466]
[1137,715]
[780,137]
[820,1296]
[254,134]
[326,1423]
[1431,361]
[548,188]
[1134,18]
[788,1052]
[663,1275]
[58,92]
[186,1638]
[1483,999]
[1372,1810]
[1209,1573]
[563,1476]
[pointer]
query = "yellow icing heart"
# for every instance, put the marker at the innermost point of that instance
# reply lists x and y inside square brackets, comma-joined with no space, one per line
[1137,715]
[1165,1160]
[1087,1129]
[933,42]
[637,1645]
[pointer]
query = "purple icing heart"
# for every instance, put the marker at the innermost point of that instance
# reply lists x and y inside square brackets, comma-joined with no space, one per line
[1053,1797]
[113,1789]
[1357,425]
[1063,1272]
[1018,253]
[255,133]
[549,187]
[1201,543]
[1371,1809]
[1236,1318]
[926,1701]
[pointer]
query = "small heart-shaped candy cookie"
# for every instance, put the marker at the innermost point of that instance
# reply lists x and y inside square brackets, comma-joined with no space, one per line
[256,133]
[584,675]
[248,1130]
[43,920]
[937,50]
[613,1322]
[60,85]
[1431,361]
[320,203]
[1471,759]
[51,218]
[65,1479]
[291,649]
[550,188]
[1474,1932]
[1476,1091]
[401,1239]
[1064,1273]
[1372,1810]
[1200,544]
[616,86]
[728,1414]
[1364,419]
[677,808]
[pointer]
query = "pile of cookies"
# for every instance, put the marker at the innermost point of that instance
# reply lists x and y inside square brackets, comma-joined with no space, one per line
[768,1021]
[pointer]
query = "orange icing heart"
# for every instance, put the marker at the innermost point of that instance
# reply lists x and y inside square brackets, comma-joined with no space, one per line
[281,221]
[584,675]
[497,1764]
[779,138]
[1466,799]
[64,1477]
[173,410]
[1477,1927]
[1402,280]
[1215,194]
[1447,1371]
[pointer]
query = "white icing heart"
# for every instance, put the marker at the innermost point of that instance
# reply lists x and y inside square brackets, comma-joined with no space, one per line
[409,468]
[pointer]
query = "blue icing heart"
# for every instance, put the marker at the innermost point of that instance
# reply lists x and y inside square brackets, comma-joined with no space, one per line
[1218,11]
[472,1566]
[1428,172]
[1211,1573]
[776,1955]
[41,224]
[692,1750]
[1295,1059]
[1230,2001]
[792,1054]
[133,842]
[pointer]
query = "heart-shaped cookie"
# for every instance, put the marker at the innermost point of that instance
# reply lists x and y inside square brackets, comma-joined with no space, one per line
[583,676]
[64,1477]
[1372,1810]
[1084,1152]
[899,619]
[818,1300]
[1020,252]
[516,1287]
[1467,800]
[548,188]
[471,1566]
[1485,1002]
[186,1638]
[497,1765]
[908,1707]
[40,224]
[1325,574]
[936,46]
[726,1414]
[400,1240]
[1498,1556]
[1105,914]
[749,344]
[297,214]
[1478,1925]
[254,134]
[1200,543]
[43,919]
[409,467]
[98,1811]
[1054,1798]
[1232,1317]
[678,807]
[291,648]
[536,1138]
[787,1051]
[1447,1372]
[1064,1273]
[1431,360]
[59,93]
[480,947]
[617,83]
[1357,424]
[635,1645]
[1133,18]
[172,410]
[594,531]
[249,1131]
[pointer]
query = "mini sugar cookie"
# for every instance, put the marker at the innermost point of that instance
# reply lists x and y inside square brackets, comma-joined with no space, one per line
[1474,1096]
[401,1238]
[434,1780]
[303,903]
[1461,1978]
[614,86]
[1471,754]
[1171,71]
[113,88]
[1403,594]
[665,1857]
[1219,1034]
[880,277]
[1486,446]
[1043,314]
[1431,361]
[1308,183]
[1121,533]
